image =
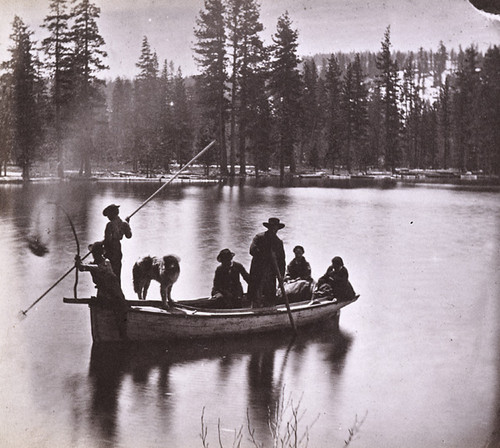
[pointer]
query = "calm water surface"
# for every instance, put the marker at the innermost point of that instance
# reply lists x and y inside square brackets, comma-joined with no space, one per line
[417,356]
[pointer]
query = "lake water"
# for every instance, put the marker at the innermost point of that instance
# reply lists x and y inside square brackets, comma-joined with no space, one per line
[416,361]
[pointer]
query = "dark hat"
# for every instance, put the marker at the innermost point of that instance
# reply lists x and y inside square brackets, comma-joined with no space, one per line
[273,222]
[298,248]
[225,253]
[110,209]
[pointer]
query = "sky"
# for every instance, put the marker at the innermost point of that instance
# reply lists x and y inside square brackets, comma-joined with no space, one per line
[324,26]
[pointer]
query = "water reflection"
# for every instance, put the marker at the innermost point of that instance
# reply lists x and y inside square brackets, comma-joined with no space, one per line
[149,369]
[426,327]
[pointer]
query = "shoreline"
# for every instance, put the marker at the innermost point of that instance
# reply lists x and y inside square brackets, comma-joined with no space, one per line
[328,180]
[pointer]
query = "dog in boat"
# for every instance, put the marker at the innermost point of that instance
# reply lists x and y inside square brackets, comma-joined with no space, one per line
[164,270]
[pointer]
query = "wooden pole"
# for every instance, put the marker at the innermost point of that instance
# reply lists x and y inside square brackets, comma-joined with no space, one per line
[282,287]
[59,280]
[172,178]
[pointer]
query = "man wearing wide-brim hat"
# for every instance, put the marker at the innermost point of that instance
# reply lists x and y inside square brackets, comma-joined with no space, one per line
[227,289]
[115,230]
[267,251]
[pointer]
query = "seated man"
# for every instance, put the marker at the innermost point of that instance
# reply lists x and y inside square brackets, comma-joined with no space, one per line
[227,287]
[109,292]
[337,282]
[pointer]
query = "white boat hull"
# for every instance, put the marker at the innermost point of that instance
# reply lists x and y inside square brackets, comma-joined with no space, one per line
[148,323]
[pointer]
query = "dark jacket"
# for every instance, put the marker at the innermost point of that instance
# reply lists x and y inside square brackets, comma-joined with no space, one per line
[109,291]
[339,282]
[115,230]
[227,280]
[298,268]
[263,276]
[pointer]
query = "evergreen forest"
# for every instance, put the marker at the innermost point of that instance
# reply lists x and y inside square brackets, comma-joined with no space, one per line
[265,105]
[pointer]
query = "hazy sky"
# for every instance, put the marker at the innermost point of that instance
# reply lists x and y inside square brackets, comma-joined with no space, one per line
[324,26]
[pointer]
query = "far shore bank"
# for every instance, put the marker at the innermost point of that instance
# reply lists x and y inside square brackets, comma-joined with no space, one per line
[317,178]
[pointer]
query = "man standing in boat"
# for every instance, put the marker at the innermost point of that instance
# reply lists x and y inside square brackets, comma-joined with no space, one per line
[267,254]
[115,230]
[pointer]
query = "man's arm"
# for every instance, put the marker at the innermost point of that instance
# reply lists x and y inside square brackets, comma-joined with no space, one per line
[243,272]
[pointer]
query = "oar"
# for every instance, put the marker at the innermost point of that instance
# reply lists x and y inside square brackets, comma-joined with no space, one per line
[25,312]
[282,287]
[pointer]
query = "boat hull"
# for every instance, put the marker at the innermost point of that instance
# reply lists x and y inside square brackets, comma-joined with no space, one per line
[148,323]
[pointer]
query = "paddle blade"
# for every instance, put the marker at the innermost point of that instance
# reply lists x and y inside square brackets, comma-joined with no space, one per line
[22,315]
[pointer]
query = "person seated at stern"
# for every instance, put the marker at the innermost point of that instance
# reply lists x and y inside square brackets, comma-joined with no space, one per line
[336,278]
[227,287]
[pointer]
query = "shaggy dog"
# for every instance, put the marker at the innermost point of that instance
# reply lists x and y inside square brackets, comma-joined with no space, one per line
[164,270]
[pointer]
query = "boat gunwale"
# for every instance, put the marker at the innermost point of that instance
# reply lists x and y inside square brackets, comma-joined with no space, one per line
[180,310]
[193,312]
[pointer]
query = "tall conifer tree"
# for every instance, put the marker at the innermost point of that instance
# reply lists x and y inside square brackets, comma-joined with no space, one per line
[87,62]
[388,82]
[24,85]
[285,86]
[211,58]
[333,123]
[57,47]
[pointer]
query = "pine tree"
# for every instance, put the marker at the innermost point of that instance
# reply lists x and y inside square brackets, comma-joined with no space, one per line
[412,109]
[388,82]
[6,127]
[466,114]
[285,86]
[234,25]
[444,121]
[252,66]
[211,58]
[25,88]
[148,101]
[348,115]
[182,134]
[165,137]
[428,136]
[375,149]
[310,109]
[440,59]
[122,119]
[87,61]
[356,114]
[58,52]
[334,126]
[489,120]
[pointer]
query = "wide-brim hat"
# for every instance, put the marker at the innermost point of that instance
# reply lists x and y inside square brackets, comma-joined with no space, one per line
[113,208]
[225,253]
[273,222]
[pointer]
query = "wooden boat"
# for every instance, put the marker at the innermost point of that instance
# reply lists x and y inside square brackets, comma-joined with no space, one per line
[195,319]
